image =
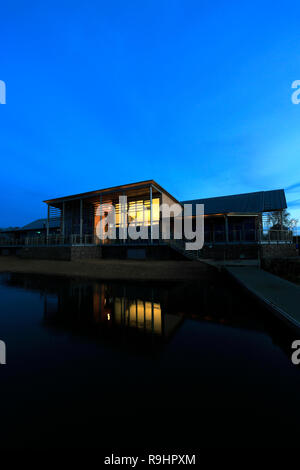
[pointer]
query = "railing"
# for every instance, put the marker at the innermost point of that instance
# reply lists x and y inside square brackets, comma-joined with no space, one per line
[234,236]
[219,236]
[249,236]
[11,242]
[276,236]
[73,239]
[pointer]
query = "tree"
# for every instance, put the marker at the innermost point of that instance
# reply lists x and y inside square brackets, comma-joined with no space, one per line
[277,223]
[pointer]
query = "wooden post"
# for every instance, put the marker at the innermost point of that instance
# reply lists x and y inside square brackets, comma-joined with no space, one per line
[81,220]
[125,220]
[281,236]
[100,221]
[160,219]
[151,213]
[48,219]
[152,312]
[63,223]
[143,213]
[226,229]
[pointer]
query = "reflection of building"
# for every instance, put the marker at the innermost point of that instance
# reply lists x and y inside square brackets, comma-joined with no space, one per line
[110,307]
[138,314]
[142,314]
[126,311]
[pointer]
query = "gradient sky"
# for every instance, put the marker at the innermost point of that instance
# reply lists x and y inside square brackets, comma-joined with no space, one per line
[196,95]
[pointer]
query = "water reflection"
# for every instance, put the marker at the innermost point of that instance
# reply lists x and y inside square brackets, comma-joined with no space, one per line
[146,312]
[123,311]
[83,352]
[109,307]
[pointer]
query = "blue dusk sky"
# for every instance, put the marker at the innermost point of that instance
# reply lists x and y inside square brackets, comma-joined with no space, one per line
[193,94]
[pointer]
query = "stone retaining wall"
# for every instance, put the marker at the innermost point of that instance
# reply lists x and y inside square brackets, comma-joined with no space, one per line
[86,252]
[61,253]
[283,250]
[68,253]
[221,252]
[150,252]
[288,268]
[248,251]
[217,252]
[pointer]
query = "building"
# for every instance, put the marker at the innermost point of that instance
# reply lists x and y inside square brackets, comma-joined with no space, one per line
[34,230]
[240,217]
[236,220]
[80,214]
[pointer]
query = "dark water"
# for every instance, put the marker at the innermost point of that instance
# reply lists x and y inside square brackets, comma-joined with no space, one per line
[117,366]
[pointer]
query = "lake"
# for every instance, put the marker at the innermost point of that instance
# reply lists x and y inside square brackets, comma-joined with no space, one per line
[149,366]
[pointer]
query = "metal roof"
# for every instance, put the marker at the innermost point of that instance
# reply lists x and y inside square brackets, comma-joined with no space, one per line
[40,224]
[257,202]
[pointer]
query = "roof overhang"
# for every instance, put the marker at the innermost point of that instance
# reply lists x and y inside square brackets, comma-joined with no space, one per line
[232,214]
[114,189]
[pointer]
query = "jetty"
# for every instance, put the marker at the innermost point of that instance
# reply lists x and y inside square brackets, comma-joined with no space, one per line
[278,295]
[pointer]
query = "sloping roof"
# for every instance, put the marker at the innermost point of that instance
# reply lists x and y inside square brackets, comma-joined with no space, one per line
[40,224]
[260,201]
[124,187]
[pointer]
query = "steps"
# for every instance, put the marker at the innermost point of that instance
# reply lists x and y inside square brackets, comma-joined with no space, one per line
[179,246]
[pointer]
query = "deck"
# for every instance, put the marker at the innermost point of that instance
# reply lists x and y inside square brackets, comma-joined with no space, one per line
[279,295]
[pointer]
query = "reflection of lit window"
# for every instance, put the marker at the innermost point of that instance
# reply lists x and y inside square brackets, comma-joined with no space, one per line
[108,316]
[138,314]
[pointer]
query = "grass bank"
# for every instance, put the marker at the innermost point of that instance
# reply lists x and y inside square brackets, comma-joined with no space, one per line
[107,269]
